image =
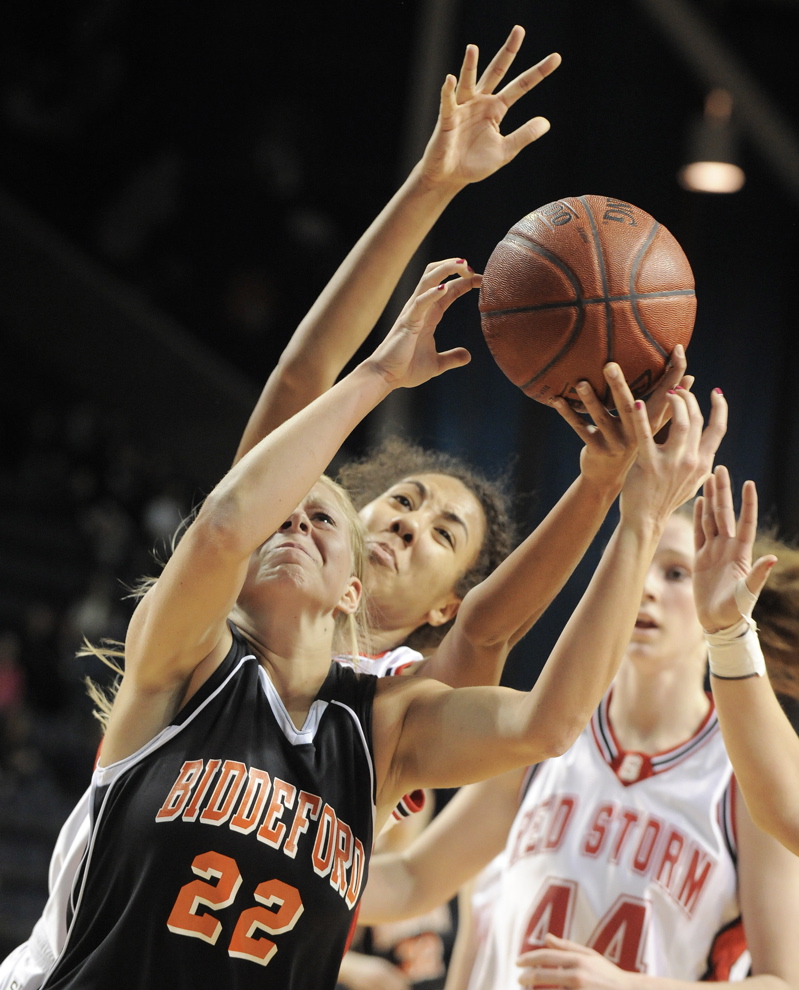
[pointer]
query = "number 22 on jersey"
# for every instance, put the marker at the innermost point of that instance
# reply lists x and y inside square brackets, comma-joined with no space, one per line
[282,907]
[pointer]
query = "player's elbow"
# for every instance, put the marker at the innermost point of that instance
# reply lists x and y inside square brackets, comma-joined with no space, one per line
[220,527]
[554,733]
[779,822]
[477,623]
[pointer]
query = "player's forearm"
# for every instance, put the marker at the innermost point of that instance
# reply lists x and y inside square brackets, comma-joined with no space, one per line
[503,606]
[349,306]
[256,495]
[590,648]
[764,750]
[456,845]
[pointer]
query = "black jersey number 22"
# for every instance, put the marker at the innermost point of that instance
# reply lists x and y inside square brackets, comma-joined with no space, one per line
[282,907]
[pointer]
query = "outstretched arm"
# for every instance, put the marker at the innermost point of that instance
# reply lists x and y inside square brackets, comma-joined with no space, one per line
[456,845]
[466,146]
[491,621]
[430,735]
[763,747]
[182,620]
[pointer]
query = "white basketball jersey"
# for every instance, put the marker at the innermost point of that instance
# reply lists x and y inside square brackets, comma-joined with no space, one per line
[632,855]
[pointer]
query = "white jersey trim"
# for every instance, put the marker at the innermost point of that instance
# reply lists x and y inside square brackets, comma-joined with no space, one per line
[297,737]
[104,776]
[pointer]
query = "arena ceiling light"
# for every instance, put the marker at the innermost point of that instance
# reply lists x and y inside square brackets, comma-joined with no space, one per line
[712,149]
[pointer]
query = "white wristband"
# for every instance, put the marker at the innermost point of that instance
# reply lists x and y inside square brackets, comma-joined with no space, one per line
[735,652]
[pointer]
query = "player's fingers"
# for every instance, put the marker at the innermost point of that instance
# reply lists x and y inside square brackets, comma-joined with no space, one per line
[427,307]
[657,403]
[517,140]
[757,577]
[437,271]
[716,427]
[696,424]
[699,532]
[529,79]
[683,411]
[430,306]
[456,357]
[723,509]
[495,71]
[546,958]
[747,519]
[709,527]
[605,424]
[642,430]
[623,400]
[457,287]
[447,101]
[581,427]
[564,943]
[464,89]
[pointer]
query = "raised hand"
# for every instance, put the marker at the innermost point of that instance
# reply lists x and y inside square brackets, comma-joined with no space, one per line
[610,441]
[665,476]
[408,356]
[724,551]
[563,963]
[467,144]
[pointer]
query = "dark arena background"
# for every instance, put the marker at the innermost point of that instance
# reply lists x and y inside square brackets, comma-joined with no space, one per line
[177,183]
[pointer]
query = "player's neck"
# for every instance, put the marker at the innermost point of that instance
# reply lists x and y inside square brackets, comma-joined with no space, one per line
[296,656]
[381,640]
[653,712]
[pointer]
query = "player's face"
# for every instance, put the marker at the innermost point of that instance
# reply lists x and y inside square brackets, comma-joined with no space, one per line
[423,534]
[311,552]
[668,627]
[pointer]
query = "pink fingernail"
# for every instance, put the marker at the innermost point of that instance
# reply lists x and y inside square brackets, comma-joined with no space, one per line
[461,261]
[639,404]
[442,286]
[470,269]
[718,390]
[672,391]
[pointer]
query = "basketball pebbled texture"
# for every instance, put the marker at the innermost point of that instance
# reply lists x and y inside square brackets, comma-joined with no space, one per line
[580,282]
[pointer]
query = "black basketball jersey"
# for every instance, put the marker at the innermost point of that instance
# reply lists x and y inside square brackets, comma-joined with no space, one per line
[232,849]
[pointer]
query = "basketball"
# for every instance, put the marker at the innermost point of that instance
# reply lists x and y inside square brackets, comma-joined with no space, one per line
[581,282]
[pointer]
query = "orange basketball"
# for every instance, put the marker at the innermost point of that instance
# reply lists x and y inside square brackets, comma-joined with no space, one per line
[581,282]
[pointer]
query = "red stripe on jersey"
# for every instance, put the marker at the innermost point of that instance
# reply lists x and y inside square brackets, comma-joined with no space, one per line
[728,946]
[353,926]
[402,667]
[411,804]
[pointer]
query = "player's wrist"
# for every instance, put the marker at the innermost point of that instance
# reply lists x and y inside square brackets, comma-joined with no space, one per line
[602,487]
[735,653]
[433,181]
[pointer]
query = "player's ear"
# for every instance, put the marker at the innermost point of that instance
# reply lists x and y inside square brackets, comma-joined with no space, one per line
[444,613]
[348,603]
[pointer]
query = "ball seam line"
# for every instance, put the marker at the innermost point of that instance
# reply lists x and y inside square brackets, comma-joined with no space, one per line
[633,275]
[609,327]
[632,298]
